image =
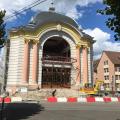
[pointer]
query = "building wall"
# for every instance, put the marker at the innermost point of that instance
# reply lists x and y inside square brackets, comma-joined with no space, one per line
[95,78]
[15,65]
[100,69]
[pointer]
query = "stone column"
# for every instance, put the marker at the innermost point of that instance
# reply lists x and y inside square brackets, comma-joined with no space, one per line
[78,65]
[85,64]
[35,62]
[25,62]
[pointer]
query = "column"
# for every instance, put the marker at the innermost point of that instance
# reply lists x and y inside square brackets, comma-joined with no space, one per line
[89,65]
[85,65]
[25,62]
[78,65]
[35,63]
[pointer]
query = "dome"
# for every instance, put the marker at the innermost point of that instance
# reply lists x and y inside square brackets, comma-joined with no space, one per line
[46,17]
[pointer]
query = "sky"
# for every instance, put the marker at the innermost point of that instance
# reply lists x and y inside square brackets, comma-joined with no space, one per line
[83,11]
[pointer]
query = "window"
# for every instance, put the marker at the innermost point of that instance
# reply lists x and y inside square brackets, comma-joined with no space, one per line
[117,69]
[106,62]
[106,70]
[106,77]
[116,77]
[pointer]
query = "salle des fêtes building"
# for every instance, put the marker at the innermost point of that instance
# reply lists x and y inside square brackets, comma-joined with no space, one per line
[50,52]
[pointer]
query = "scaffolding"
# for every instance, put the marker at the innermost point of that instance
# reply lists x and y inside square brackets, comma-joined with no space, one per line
[56,71]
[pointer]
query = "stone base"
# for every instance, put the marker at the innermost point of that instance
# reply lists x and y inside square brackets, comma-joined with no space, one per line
[33,87]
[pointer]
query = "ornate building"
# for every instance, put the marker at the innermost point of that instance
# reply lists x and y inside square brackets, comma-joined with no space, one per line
[50,52]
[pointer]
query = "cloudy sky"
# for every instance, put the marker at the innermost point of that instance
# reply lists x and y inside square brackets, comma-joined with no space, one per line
[83,11]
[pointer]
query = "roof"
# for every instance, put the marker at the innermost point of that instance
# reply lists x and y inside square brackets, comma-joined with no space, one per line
[95,64]
[113,56]
[47,16]
[51,17]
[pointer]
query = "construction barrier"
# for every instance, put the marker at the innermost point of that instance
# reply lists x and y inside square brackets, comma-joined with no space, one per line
[81,99]
[114,99]
[62,99]
[99,99]
[72,99]
[6,100]
[107,99]
[90,99]
[84,99]
[1,99]
[52,99]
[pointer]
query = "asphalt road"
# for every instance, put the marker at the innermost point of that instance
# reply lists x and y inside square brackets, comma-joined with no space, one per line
[63,111]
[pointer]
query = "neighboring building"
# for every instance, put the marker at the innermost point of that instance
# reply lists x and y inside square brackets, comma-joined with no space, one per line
[50,52]
[107,68]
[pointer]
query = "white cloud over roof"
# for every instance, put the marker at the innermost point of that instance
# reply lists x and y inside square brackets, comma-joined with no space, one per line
[103,41]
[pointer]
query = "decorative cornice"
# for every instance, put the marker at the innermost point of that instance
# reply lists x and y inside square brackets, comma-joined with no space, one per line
[26,40]
[35,41]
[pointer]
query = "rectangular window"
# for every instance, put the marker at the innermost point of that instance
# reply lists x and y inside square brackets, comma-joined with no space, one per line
[119,69]
[106,62]
[115,69]
[116,77]
[106,70]
[106,77]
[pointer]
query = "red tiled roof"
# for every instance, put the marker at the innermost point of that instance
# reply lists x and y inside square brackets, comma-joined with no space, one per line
[113,56]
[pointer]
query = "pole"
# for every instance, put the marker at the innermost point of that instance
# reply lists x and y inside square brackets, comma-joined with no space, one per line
[2,109]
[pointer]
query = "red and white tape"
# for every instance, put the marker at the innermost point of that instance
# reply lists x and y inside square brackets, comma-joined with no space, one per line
[69,100]
[6,100]
[82,99]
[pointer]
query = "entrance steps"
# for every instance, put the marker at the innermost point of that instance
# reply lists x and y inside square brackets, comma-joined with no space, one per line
[45,93]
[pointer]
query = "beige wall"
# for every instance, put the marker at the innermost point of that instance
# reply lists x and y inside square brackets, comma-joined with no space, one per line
[100,70]
[101,66]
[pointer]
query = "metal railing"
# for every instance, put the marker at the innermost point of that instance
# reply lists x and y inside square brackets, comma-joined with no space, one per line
[58,59]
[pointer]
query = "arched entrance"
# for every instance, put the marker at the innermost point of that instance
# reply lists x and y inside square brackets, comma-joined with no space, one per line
[56,63]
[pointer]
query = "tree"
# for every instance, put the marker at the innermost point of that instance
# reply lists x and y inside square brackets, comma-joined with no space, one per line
[2,28]
[112,9]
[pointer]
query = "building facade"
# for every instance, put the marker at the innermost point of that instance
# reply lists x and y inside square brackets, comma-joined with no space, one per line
[50,52]
[107,68]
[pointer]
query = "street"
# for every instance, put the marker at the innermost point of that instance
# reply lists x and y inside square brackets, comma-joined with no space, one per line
[64,111]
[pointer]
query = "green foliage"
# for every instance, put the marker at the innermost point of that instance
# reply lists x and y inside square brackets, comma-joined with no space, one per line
[112,9]
[2,28]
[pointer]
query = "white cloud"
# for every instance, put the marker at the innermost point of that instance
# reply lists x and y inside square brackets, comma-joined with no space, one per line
[102,41]
[64,6]
[74,14]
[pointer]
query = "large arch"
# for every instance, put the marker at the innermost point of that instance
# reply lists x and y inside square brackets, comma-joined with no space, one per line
[66,39]
[55,57]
